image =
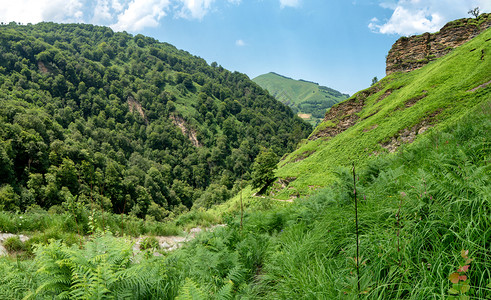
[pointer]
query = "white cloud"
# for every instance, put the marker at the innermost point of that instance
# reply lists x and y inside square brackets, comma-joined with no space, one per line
[290,3]
[406,22]
[240,43]
[416,16]
[34,11]
[116,5]
[389,4]
[140,14]
[102,12]
[195,9]
[130,15]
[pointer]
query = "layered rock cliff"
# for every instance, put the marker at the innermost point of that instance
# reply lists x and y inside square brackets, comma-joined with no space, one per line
[410,53]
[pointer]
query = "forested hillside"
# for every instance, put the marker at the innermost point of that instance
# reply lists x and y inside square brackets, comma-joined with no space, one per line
[307,99]
[126,122]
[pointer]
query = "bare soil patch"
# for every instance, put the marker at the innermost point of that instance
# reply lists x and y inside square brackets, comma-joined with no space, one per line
[133,105]
[409,134]
[305,116]
[304,155]
[190,133]
[414,100]
[42,68]
[480,86]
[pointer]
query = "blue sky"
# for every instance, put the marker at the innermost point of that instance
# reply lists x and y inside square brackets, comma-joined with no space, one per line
[341,44]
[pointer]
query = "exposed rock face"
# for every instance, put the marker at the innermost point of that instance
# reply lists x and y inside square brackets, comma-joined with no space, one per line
[344,115]
[408,135]
[190,133]
[135,105]
[411,53]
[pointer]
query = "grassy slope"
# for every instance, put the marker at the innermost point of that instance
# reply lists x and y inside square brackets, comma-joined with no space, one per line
[447,82]
[294,92]
[417,210]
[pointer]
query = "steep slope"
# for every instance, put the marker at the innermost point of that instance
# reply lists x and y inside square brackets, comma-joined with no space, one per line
[395,111]
[308,99]
[126,122]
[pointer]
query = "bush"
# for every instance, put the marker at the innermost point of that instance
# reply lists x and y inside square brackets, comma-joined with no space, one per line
[44,238]
[164,229]
[150,242]
[263,168]
[196,218]
[14,244]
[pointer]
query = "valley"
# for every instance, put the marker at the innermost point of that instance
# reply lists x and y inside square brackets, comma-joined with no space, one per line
[111,142]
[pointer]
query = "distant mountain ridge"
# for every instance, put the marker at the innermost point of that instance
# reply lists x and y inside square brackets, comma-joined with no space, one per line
[306,98]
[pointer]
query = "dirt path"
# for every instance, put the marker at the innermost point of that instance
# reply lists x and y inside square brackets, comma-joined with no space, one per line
[170,243]
[480,86]
[166,243]
[280,200]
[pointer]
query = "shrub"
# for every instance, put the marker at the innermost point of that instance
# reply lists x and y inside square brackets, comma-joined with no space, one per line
[14,244]
[150,242]
[263,168]
[44,238]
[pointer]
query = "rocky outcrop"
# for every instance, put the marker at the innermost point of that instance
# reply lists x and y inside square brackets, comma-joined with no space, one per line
[190,133]
[5,236]
[411,53]
[408,135]
[344,115]
[134,105]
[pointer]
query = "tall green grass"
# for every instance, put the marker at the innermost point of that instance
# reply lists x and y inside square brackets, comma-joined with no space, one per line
[441,190]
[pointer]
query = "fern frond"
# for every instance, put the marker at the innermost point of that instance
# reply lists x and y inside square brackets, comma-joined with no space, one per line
[225,292]
[191,291]
[237,274]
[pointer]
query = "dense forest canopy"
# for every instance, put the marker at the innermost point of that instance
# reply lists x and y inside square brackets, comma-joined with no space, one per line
[127,122]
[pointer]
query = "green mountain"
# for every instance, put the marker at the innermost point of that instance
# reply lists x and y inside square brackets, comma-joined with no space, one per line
[307,99]
[389,198]
[127,122]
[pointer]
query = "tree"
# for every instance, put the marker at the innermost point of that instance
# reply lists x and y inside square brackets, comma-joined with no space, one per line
[475,12]
[374,80]
[263,168]
[9,200]
[6,164]
[67,175]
